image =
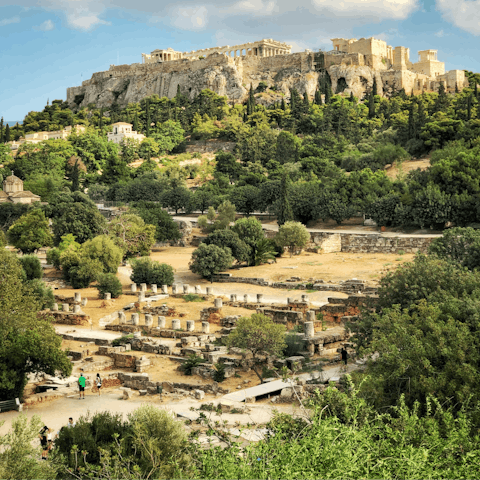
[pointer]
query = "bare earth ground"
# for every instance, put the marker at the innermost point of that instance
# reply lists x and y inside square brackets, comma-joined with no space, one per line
[405,167]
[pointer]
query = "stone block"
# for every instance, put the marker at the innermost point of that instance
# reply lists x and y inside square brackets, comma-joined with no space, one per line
[108,296]
[198,289]
[165,289]
[175,324]
[174,289]
[135,319]
[161,322]
[209,290]
[84,302]
[77,309]
[186,289]
[199,394]
[190,326]
[218,302]
[133,287]
[154,288]
[78,297]
[205,327]
[55,307]
[259,297]
[142,392]
[143,287]
[148,320]
[65,307]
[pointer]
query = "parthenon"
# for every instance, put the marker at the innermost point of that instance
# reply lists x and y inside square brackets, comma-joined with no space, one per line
[263,48]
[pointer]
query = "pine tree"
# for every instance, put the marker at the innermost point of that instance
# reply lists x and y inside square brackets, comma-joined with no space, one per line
[374,87]
[371,105]
[306,103]
[7,133]
[352,98]
[135,122]
[147,119]
[285,212]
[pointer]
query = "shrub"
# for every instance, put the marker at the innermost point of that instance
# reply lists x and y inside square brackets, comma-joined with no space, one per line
[294,345]
[42,293]
[219,375]
[103,249]
[3,239]
[191,362]
[207,260]
[53,257]
[122,340]
[151,272]
[31,266]
[109,283]
[191,297]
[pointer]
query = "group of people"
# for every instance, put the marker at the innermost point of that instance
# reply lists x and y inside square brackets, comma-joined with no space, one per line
[46,439]
[82,382]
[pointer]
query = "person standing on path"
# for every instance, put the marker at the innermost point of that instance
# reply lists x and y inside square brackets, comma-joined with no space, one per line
[70,423]
[98,382]
[81,386]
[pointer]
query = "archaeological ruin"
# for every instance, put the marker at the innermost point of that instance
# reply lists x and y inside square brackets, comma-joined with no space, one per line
[230,70]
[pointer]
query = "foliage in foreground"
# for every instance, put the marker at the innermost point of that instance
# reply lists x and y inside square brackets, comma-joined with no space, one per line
[355,442]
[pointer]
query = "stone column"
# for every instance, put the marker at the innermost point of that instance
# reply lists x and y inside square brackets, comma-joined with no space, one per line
[218,302]
[190,325]
[133,287]
[148,320]
[233,297]
[108,296]
[78,297]
[154,288]
[84,302]
[176,324]
[259,297]
[55,307]
[186,289]
[141,296]
[205,327]
[305,298]
[198,290]
[122,318]
[174,289]
[246,298]
[165,289]
[209,290]
[289,300]
[143,287]
[65,307]
[309,330]
[135,318]
[310,316]
[77,309]
[161,322]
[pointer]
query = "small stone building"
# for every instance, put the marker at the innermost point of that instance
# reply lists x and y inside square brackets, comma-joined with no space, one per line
[13,192]
[123,130]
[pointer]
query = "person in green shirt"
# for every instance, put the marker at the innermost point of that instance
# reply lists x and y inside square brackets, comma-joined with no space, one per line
[81,386]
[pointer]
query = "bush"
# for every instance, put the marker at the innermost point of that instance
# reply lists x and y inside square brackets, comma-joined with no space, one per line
[207,260]
[191,362]
[294,346]
[122,340]
[151,272]
[42,293]
[191,297]
[103,249]
[3,239]
[31,266]
[53,257]
[109,283]
[219,375]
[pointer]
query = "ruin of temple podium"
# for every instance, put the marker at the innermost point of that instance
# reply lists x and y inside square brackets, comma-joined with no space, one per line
[263,48]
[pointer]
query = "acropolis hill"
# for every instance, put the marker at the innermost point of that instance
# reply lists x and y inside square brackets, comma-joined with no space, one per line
[229,70]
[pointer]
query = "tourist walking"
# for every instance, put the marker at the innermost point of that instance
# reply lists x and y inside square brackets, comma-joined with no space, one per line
[45,435]
[98,383]
[81,386]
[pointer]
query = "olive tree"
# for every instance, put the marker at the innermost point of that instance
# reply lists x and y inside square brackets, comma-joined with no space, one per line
[292,235]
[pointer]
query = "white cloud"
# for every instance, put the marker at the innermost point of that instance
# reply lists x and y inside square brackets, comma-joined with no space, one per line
[462,13]
[46,26]
[397,9]
[8,21]
[440,33]
[190,18]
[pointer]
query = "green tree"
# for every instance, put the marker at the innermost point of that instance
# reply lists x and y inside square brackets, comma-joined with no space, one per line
[285,212]
[19,457]
[108,283]
[251,232]
[246,198]
[177,198]
[104,250]
[259,335]
[168,135]
[130,232]
[153,214]
[292,235]
[75,213]
[208,260]
[31,232]
[31,266]
[151,272]
[29,344]
[228,238]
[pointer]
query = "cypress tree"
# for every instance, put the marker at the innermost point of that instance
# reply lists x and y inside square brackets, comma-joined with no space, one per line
[374,87]
[328,89]
[469,107]
[456,88]
[306,103]
[1,130]
[352,98]
[411,122]
[282,105]
[421,117]
[285,212]
[371,105]
[147,120]
[475,90]
[318,97]
[135,122]
[7,133]
[100,123]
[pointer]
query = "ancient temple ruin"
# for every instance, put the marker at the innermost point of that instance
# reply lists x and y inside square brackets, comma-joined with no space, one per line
[263,48]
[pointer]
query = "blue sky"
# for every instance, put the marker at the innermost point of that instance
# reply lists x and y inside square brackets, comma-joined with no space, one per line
[49,45]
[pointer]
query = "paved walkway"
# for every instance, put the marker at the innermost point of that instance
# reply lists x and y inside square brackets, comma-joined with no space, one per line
[86,333]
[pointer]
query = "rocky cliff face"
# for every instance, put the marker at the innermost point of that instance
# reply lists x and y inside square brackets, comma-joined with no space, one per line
[222,74]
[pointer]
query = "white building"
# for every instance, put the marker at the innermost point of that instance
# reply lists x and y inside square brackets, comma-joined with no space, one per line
[37,137]
[123,130]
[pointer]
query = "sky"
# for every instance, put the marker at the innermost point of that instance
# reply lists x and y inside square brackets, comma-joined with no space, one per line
[49,45]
